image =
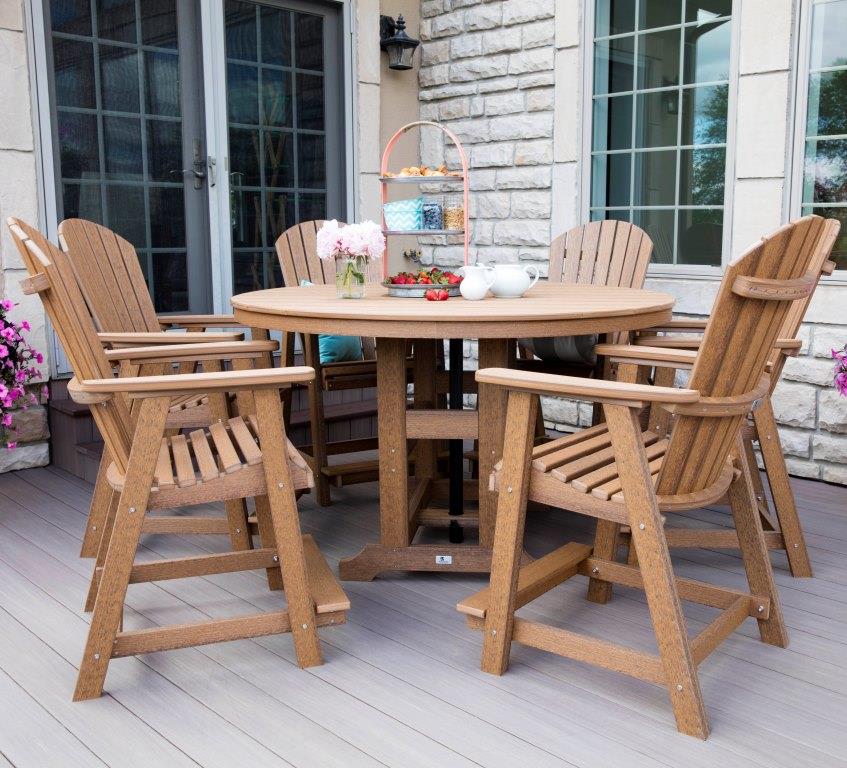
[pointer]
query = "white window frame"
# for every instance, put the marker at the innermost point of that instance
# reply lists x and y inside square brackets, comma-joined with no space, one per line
[803,50]
[681,271]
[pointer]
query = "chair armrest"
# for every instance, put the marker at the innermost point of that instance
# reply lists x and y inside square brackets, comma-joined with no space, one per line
[691,343]
[597,390]
[789,347]
[643,355]
[166,337]
[177,353]
[100,390]
[677,324]
[196,321]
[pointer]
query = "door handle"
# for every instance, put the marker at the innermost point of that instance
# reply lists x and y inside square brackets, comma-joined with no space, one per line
[198,169]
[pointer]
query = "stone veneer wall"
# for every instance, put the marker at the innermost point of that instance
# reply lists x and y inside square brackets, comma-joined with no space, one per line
[18,197]
[505,76]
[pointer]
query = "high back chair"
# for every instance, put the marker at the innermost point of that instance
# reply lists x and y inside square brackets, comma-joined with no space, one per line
[110,279]
[296,250]
[621,474]
[250,455]
[782,524]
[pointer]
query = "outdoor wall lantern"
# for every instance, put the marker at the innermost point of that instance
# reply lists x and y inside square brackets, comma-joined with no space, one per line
[394,40]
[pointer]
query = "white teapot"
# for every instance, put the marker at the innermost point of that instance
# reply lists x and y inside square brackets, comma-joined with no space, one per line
[477,279]
[513,280]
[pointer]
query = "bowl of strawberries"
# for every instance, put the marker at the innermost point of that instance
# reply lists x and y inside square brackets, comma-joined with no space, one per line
[434,284]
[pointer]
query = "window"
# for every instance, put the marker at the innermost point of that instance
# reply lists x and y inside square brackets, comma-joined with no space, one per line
[659,131]
[824,180]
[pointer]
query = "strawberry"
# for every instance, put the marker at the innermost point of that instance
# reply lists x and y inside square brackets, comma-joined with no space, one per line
[432,295]
[454,279]
[442,294]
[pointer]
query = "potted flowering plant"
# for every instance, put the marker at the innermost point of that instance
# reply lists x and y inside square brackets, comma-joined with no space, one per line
[840,357]
[17,369]
[352,246]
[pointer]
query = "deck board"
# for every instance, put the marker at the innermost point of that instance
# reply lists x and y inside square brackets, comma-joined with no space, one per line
[402,685]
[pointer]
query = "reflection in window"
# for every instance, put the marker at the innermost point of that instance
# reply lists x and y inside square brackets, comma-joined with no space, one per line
[661,85]
[825,154]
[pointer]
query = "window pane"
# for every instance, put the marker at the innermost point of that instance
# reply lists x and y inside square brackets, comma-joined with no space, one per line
[158,23]
[279,214]
[839,252]
[241,31]
[276,97]
[248,272]
[598,214]
[244,157]
[125,212]
[707,52]
[704,113]
[122,148]
[79,157]
[119,79]
[655,178]
[657,116]
[612,123]
[310,102]
[659,225]
[610,176]
[825,172]
[273,270]
[827,103]
[659,13]
[701,176]
[81,201]
[311,163]
[613,65]
[73,67]
[308,41]
[705,10]
[829,45]
[164,150]
[276,36]
[71,16]
[116,20]
[658,59]
[170,276]
[243,91]
[247,219]
[167,217]
[312,207]
[279,159]
[613,17]
[700,237]
[162,71]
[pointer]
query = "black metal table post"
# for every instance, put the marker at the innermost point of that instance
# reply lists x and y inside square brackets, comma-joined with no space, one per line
[457,502]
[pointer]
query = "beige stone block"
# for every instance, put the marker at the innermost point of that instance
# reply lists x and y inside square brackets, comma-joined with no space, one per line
[693,297]
[827,306]
[800,468]
[830,448]
[534,152]
[794,442]
[757,211]
[832,415]
[30,425]
[567,23]
[826,338]
[565,197]
[541,33]
[18,197]
[763,118]
[531,205]
[24,457]
[567,130]
[834,473]
[559,411]
[15,116]
[535,60]
[809,370]
[367,41]
[11,14]
[765,46]
[368,128]
[528,232]
[794,404]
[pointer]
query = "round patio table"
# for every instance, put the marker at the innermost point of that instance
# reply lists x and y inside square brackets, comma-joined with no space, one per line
[548,309]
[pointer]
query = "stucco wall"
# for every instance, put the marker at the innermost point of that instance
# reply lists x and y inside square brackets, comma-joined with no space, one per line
[507,77]
[18,197]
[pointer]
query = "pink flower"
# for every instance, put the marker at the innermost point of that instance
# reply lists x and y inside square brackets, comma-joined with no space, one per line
[365,240]
[10,446]
[4,351]
[25,325]
[39,358]
[7,304]
[45,392]
[6,420]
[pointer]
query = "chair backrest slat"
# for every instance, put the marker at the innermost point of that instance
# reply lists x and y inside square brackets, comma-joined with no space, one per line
[733,355]
[72,321]
[110,277]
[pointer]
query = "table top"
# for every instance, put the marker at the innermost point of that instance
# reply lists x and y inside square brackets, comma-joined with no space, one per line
[548,309]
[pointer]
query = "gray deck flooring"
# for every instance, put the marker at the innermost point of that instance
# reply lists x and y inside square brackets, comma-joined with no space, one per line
[401,684]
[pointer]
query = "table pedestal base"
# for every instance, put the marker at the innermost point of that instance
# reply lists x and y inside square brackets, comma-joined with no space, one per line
[375,559]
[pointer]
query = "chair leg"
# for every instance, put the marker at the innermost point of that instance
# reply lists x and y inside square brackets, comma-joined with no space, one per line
[286,525]
[509,531]
[268,539]
[108,608]
[99,509]
[656,571]
[754,551]
[606,540]
[316,421]
[102,548]
[783,496]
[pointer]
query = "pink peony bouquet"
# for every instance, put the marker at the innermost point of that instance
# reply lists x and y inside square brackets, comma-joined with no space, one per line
[352,246]
[17,370]
[364,241]
[840,357]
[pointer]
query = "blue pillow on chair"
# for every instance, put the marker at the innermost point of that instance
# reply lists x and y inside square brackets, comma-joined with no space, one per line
[337,349]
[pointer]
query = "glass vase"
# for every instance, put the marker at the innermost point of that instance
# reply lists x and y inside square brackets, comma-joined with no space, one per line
[350,277]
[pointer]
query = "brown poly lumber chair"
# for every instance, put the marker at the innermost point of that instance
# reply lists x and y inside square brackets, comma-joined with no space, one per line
[296,250]
[609,252]
[250,456]
[622,474]
[110,279]
[782,525]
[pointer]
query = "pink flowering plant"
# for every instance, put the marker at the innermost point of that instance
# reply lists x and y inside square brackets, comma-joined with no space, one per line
[352,246]
[840,357]
[17,370]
